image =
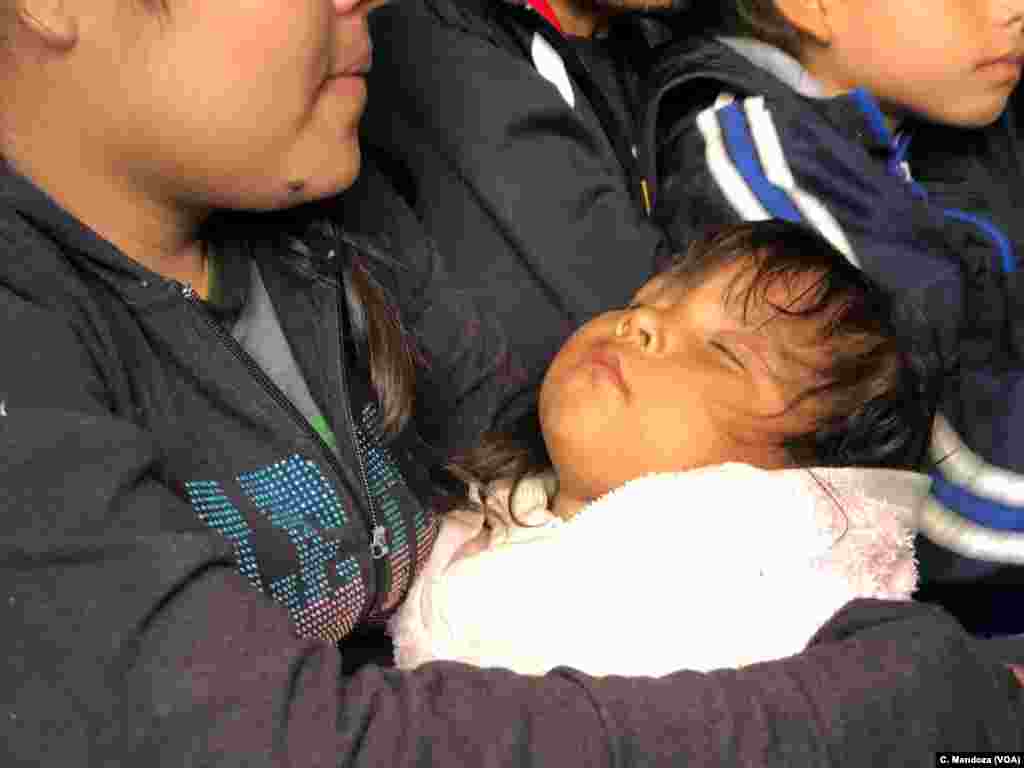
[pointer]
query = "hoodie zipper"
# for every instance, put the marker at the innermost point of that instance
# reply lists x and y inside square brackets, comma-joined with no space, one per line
[378,545]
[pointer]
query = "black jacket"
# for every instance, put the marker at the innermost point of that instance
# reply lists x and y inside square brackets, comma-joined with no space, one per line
[931,214]
[151,480]
[535,203]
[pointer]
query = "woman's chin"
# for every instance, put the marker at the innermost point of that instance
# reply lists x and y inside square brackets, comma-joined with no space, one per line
[297,191]
[329,174]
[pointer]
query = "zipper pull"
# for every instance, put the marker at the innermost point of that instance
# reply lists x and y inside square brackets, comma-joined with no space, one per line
[379,543]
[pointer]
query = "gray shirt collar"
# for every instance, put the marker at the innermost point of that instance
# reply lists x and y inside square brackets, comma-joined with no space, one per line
[777,62]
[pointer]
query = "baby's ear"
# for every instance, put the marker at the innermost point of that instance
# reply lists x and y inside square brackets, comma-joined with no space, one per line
[809,17]
[53,22]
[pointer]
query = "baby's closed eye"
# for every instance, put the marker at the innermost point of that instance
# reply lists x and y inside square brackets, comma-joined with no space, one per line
[730,354]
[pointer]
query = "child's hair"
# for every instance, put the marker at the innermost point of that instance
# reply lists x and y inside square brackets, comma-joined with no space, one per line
[759,19]
[878,396]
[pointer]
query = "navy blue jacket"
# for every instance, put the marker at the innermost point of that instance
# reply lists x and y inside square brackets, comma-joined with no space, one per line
[932,214]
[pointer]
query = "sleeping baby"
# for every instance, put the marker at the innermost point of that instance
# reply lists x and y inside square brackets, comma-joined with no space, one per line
[710,473]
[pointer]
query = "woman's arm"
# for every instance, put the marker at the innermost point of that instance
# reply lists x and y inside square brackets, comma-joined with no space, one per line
[130,638]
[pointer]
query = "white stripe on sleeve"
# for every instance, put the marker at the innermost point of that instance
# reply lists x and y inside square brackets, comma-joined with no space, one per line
[778,172]
[725,174]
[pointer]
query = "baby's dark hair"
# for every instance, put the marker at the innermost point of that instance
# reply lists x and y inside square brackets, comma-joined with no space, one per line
[877,394]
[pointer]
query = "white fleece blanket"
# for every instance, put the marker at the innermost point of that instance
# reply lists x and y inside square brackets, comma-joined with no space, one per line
[717,567]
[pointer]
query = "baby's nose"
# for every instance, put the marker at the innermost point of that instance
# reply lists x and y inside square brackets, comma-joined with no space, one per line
[639,326]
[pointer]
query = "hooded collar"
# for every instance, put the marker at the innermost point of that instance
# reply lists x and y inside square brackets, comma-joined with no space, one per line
[857,113]
[88,250]
[779,63]
[746,67]
[47,216]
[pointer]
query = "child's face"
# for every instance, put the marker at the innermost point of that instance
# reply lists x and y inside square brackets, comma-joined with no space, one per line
[948,61]
[681,380]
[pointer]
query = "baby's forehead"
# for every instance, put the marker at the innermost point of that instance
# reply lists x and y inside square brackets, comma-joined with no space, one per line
[681,283]
[740,285]
[678,281]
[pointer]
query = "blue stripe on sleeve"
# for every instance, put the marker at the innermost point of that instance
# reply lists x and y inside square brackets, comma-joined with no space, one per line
[743,152]
[871,110]
[977,509]
[996,235]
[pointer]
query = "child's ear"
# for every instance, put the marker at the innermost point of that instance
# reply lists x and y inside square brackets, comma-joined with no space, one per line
[54,22]
[810,17]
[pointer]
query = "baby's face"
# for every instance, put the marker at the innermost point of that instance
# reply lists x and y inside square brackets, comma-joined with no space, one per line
[949,61]
[683,378]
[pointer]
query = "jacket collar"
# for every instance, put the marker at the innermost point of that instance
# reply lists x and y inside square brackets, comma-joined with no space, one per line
[76,241]
[47,216]
[779,63]
[748,67]
[693,67]
[856,114]
[91,252]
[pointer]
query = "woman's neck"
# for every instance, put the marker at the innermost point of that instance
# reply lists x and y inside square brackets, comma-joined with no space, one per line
[95,180]
[160,237]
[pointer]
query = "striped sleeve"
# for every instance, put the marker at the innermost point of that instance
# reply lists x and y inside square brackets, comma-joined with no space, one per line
[745,158]
[975,507]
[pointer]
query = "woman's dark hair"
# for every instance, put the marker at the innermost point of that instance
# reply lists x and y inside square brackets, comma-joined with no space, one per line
[877,394]
[309,237]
